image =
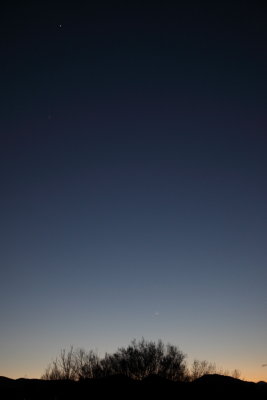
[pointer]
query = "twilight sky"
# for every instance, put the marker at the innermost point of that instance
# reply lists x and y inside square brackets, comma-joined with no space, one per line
[133,180]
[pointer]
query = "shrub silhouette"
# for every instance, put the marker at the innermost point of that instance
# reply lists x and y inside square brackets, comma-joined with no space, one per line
[201,368]
[74,365]
[143,358]
[138,360]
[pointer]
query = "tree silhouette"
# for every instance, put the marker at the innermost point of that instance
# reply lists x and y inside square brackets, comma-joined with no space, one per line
[73,365]
[201,368]
[143,358]
[137,361]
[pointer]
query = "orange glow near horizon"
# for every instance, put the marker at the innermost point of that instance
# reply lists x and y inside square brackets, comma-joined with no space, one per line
[249,375]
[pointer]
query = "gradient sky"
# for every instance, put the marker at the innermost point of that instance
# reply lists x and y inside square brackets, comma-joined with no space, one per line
[133,180]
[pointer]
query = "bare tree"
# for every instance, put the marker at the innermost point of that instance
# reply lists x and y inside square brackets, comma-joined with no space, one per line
[200,368]
[236,374]
[52,372]
[64,367]
[172,364]
[87,364]
[143,358]
[137,361]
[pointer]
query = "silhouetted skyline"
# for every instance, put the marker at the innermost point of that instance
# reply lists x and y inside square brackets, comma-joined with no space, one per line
[133,190]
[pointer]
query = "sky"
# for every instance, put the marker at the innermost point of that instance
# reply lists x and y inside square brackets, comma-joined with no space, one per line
[133,180]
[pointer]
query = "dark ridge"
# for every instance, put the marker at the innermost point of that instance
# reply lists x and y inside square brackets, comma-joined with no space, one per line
[114,380]
[211,387]
[5,379]
[6,382]
[154,379]
[28,380]
[216,379]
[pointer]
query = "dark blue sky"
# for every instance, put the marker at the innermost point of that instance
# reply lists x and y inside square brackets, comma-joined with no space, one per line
[133,180]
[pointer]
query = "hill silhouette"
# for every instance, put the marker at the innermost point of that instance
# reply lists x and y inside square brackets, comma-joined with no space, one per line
[143,369]
[121,386]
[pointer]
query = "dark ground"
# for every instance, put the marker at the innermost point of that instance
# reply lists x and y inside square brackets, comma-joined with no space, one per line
[209,387]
